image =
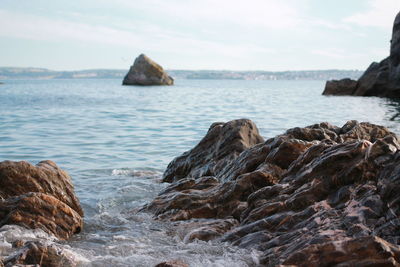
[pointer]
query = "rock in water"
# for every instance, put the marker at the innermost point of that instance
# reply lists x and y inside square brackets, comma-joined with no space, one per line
[40,196]
[315,196]
[340,87]
[222,144]
[380,79]
[145,71]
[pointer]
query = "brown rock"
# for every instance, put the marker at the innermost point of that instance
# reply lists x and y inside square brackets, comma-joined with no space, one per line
[40,196]
[145,71]
[364,251]
[18,178]
[322,195]
[38,210]
[340,87]
[40,254]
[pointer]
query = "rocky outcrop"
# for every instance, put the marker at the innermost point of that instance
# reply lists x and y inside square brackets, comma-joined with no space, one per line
[380,79]
[145,71]
[40,196]
[314,196]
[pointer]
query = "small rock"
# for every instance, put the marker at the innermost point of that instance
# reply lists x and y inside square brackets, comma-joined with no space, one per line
[145,71]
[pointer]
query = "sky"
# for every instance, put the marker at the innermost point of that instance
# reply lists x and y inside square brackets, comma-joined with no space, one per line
[272,35]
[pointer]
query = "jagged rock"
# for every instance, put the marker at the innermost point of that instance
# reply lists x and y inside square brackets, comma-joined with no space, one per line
[40,196]
[40,254]
[319,195]
[380,79]
[340,87]
[145,71]
[222,144]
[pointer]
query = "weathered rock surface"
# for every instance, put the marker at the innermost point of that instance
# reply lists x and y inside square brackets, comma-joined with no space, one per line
[41,254]
[380,79]
[315,196]
[340,87]
[222,144]
[40,196]
[145,71]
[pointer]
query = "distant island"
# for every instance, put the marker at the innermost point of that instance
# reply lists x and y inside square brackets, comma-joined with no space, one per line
[10,73]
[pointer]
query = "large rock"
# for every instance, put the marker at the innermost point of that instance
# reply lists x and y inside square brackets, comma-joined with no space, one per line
[315,196]
[380,79]
[340,87]
[145,71]
[40,196]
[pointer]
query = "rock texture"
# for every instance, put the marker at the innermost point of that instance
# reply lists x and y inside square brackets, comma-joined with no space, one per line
[222,144]
[315,196]
[380,79]
[40,196]
[145,71]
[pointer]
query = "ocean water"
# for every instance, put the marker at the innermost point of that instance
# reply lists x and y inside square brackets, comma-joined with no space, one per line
[115,141]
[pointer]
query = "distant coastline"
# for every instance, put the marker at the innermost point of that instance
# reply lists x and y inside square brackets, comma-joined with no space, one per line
[10,73]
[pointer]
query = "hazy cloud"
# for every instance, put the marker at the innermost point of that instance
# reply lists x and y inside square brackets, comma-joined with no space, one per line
[381,13]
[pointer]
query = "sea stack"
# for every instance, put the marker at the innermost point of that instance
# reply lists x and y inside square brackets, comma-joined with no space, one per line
[145,71]
[380,79]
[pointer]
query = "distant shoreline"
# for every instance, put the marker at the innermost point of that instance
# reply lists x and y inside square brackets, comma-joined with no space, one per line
[10,73]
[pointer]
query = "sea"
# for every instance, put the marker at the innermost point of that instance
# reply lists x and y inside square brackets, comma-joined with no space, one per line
[115,142]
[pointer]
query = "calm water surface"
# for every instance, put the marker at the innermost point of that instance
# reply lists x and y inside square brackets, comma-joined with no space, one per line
[115,141]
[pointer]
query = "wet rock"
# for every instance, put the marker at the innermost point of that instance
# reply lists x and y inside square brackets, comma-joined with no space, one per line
[222,144]
[41,254]
[321,194]
[173,263]
[340,87]
[42,211]
[145,71]
[380,79]
[364,251]
[201,229]
[40,196]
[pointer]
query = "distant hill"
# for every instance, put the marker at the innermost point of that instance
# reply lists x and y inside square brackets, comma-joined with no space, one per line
[9,73]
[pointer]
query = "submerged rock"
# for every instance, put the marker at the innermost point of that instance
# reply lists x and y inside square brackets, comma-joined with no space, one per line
[145,71]
[40,196]
[173,263]
[41,254]
[314,196]
[380,79]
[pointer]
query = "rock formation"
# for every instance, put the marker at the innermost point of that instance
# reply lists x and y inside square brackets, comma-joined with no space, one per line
[380,79]
[40,196]
[145,71]
[315,196]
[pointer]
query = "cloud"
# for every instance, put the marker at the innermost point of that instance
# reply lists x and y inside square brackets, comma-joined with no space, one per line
[381,13]
[32,27]
[271,14]
[143,38]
